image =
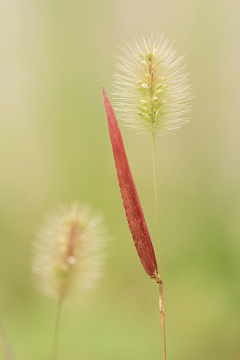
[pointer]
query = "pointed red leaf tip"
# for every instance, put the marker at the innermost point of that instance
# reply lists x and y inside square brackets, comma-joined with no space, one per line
[134,213]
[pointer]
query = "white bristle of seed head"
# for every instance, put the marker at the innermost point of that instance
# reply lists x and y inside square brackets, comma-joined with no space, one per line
[151,72]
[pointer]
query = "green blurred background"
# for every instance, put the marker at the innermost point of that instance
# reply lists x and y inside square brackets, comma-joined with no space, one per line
[55,148]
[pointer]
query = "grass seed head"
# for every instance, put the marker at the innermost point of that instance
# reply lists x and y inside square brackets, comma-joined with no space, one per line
[69,251]
[151,90]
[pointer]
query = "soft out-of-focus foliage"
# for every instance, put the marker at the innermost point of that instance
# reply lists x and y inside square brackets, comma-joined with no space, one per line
[55,148]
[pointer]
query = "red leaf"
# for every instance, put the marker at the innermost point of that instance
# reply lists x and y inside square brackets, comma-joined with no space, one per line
[134,213]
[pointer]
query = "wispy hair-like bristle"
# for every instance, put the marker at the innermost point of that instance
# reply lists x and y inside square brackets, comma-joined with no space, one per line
[152,91]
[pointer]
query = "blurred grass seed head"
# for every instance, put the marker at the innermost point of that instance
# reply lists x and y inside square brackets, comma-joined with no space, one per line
[69,251]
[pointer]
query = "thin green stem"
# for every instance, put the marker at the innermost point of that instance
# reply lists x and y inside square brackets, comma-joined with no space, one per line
[54,354]
[156,204]
[161,303]
[162,321]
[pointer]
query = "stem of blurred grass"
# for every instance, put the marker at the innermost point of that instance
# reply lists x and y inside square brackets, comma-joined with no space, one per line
[55,345]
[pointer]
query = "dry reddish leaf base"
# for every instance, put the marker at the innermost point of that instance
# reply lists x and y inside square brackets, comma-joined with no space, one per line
[134,213]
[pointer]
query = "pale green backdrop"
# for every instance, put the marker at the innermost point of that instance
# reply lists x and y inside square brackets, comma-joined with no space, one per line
[55,148]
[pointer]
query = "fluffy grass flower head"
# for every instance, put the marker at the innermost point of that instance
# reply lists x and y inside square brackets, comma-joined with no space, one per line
[152,90]
[69,251]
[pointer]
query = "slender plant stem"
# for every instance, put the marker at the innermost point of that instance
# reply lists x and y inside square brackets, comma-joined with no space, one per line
[54,354]
[156,205]
[162,320]
[161,303]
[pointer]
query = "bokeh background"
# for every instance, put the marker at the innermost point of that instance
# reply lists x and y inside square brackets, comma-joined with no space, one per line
[55,149]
